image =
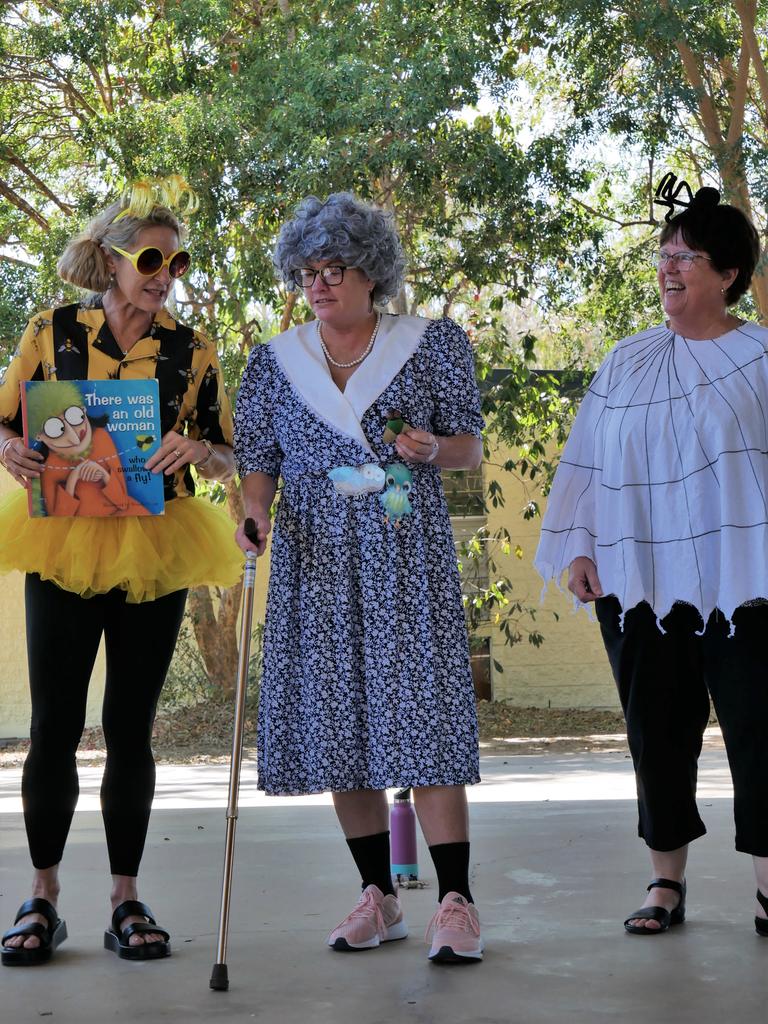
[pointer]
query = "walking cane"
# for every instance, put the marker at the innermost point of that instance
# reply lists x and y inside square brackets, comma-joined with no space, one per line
[219,975]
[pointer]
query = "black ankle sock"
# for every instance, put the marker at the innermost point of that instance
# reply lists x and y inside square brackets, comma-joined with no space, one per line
[371,855]
[451,862]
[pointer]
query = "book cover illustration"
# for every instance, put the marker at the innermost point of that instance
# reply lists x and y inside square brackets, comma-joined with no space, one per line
[96,436]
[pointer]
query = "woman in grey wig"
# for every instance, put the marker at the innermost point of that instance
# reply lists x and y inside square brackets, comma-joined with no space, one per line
[348,231]
[366,682]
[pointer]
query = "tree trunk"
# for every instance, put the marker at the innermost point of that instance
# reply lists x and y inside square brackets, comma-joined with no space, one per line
[399,304]
[216,635]
[290,302]
[216,630]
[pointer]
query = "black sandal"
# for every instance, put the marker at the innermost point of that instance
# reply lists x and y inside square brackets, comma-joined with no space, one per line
[761,924]
[666,918]
[50,935]
[116,939]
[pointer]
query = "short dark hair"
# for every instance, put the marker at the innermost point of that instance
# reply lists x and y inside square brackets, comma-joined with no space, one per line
[721,231]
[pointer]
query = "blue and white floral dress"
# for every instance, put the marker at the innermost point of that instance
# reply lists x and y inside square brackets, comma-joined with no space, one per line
[366,681]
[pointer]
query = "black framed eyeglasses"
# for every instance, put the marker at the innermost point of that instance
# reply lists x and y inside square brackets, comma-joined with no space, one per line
[305,276]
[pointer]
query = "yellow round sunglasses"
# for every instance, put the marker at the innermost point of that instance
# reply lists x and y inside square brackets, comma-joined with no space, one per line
[150,261]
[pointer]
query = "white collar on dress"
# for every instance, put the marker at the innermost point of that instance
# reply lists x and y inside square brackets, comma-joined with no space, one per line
[302,361]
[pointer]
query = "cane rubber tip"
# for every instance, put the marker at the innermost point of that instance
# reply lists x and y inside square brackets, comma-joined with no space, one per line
[219,978]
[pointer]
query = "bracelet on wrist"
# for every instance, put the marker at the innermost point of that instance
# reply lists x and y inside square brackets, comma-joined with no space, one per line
[4,446]
[210,450]
[435,449]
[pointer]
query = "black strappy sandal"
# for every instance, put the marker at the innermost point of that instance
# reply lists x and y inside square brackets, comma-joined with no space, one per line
[116,939]
[761,924]
[666,918]
[50,935]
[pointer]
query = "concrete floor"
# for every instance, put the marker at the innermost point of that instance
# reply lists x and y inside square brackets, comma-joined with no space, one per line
[556,867]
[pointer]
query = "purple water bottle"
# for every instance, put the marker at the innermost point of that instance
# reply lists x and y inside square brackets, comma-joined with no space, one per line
[402,825]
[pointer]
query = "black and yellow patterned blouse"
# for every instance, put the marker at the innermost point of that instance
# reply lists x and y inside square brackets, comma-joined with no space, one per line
[192,542]
[75,343]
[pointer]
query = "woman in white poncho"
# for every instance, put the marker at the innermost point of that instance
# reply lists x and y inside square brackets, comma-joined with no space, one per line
[659,510]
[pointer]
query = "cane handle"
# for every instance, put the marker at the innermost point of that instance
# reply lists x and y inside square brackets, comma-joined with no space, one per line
[250,531]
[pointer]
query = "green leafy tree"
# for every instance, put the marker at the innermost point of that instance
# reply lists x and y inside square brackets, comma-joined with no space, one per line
[259,105]
[641,87]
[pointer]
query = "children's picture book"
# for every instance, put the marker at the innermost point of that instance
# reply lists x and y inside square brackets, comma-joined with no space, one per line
[95,436]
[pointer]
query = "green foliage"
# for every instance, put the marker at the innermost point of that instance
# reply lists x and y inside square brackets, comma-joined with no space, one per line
[18,292]
[642,88]
[187,682]
[529,412]
[259,108]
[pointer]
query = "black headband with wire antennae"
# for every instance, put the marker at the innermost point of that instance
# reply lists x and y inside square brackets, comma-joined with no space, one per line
[668,194]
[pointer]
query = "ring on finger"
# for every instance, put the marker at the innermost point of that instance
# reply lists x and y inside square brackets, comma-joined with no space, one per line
[177,453]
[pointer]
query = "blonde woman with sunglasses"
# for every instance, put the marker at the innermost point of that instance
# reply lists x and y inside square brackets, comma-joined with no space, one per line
[124,576]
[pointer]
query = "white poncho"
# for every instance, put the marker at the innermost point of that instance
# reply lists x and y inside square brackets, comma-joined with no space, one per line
[663,482]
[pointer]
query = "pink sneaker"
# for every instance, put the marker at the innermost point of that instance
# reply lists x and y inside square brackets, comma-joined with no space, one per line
[455,932]
[376,918]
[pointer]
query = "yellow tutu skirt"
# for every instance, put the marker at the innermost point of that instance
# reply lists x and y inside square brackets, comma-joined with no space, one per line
[147,556]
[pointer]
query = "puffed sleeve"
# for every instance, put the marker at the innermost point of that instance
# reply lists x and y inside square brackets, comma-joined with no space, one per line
[569,527]
[26,364]
[453,384]
[213,419]
[257,449]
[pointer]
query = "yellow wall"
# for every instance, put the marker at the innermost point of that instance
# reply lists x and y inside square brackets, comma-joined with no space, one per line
[570,669]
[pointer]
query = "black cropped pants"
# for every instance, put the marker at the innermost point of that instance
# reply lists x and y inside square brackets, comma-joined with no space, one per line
[664,682]
[63,634]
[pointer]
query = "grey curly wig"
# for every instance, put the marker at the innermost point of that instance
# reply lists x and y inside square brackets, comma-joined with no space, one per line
[346,229]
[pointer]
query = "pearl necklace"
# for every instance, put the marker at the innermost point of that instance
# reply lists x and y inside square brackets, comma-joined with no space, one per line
[344,366]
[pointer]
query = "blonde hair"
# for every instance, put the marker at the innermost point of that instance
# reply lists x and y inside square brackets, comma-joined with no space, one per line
[145,204]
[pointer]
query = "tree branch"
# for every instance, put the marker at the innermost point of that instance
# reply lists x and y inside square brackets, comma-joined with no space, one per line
[747,11]
[105,98]
[709,119]
[21,204]
[67,86]
[739,98]
[11,157]
[451,296]
[19,263]
[613,220]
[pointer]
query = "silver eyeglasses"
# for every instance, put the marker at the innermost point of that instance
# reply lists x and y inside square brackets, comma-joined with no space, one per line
[682,260]
[305,276]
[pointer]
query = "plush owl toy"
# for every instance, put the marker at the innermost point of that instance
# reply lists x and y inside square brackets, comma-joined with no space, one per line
[394,500]
[351,480]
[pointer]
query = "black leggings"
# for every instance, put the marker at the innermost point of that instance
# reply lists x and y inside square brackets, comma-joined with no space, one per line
[664,682]
[63,634]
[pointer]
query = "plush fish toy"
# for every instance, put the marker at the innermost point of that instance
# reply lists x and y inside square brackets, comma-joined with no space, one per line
[395,499]
[352,480]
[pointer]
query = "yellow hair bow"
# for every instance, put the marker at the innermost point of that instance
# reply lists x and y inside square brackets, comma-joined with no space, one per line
[143,196]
